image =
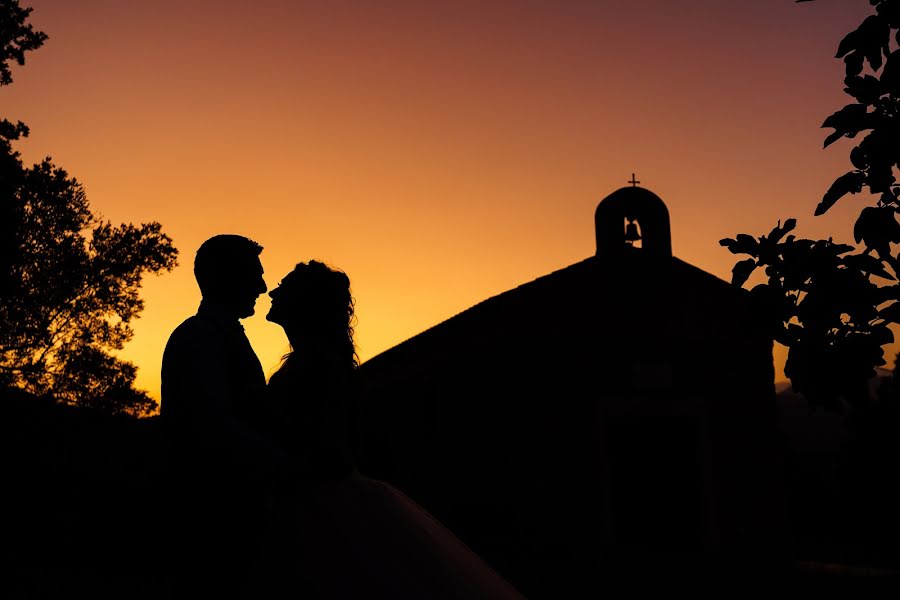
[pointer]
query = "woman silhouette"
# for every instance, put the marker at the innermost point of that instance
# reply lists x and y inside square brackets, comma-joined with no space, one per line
[345,535]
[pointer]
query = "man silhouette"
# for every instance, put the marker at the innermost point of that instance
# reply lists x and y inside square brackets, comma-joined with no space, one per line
[212,410]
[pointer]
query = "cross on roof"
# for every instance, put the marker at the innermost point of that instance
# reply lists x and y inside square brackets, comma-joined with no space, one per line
[633,181]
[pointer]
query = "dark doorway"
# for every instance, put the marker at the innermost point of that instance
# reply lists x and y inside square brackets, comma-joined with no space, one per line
[657,491]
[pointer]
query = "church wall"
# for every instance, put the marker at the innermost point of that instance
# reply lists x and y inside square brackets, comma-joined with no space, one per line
[518,440]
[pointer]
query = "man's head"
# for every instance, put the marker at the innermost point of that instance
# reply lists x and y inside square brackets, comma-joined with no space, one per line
[229,273]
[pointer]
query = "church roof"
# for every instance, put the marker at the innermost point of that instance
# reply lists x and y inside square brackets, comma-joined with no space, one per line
[624,291]
[593,278]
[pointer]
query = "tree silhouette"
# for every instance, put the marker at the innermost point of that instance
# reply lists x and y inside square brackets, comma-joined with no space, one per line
[69,282]
[16,37]
[831,304]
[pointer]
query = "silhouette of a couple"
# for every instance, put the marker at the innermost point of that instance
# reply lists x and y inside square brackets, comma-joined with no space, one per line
[266,500]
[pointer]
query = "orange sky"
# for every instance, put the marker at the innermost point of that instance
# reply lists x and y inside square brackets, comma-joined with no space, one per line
[439,152]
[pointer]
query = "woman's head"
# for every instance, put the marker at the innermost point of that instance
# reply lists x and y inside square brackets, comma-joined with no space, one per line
[314,302]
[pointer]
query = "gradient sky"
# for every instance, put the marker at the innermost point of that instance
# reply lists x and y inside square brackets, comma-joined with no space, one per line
[439,152]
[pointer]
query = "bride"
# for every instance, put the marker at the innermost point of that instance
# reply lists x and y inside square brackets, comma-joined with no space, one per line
[340,534]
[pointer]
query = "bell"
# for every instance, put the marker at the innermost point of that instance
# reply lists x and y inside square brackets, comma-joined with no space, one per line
[631,233]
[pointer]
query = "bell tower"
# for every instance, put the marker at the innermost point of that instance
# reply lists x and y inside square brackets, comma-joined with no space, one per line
[631,214]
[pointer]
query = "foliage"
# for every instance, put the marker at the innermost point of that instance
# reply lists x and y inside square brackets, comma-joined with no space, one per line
[831,304]
[70,281]
[822,305]
[16,37]
[72,297]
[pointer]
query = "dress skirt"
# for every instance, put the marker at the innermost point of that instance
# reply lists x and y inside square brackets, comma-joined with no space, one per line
[359,537]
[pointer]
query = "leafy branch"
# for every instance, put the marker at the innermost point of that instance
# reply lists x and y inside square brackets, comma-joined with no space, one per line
[832,304]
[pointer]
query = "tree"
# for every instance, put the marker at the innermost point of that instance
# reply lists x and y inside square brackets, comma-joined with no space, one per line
[831,304]
[71,281]
[16,38]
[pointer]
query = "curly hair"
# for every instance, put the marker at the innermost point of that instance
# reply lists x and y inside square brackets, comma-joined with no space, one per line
[325,292]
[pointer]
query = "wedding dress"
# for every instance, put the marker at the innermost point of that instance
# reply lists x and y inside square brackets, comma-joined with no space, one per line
[341,534]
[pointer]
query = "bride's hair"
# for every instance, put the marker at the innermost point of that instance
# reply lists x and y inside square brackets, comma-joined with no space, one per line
[325,293]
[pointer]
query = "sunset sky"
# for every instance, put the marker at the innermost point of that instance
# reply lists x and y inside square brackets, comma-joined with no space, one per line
[438,152]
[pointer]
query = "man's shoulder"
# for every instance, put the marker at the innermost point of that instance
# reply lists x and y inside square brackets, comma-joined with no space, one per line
[194,324]
[195,329]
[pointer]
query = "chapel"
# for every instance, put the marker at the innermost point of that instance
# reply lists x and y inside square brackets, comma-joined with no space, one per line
[618,410]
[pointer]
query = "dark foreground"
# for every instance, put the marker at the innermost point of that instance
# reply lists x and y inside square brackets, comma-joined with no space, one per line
[82,517]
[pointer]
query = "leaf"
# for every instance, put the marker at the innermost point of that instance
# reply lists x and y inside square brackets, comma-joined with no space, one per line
[848,118]
[744,244]
[882,335]
[866,89]
[868,264]
[866,40]
[848,121]
[887,293]
[741,271]
[865,224]
[747,241]
[858,158]
[890,11]
[890,313]
[891,226]
[779,230]
[848,43]
[838,249]
[890,76]
[874,38]
[880,175]
[833,137]
[853,63]
[846,183]
[874,56]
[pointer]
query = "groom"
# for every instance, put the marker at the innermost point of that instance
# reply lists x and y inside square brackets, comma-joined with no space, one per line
[212,410]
